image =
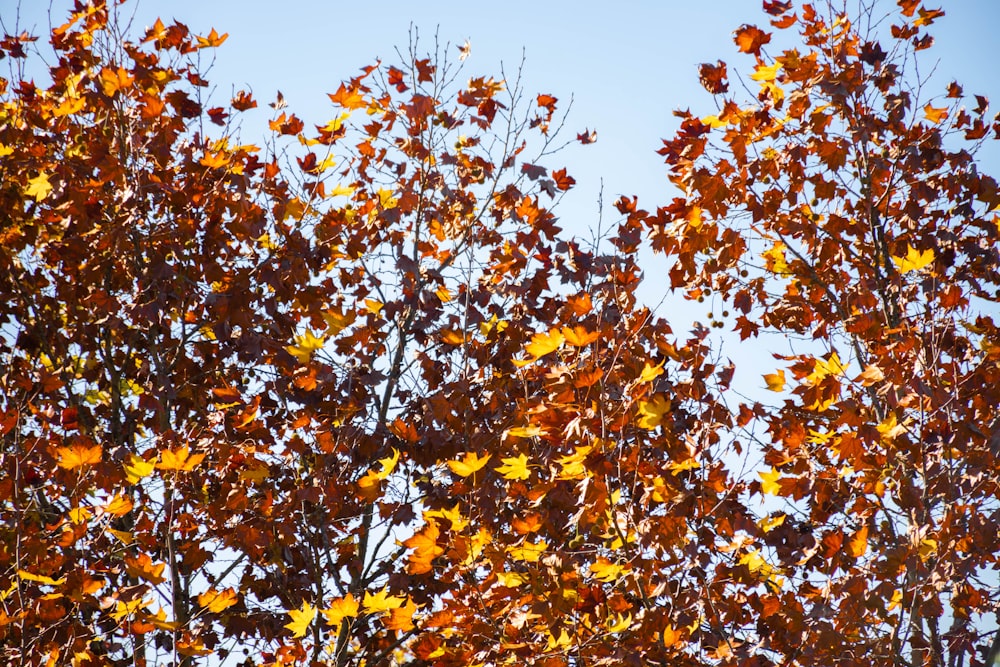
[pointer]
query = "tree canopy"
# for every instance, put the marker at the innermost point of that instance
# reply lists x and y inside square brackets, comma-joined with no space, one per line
[351,394]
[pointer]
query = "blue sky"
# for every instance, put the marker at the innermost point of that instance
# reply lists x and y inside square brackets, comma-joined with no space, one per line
[627,67]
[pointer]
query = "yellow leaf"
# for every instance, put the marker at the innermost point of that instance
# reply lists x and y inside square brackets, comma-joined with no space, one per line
[914,261]
[528,552]
[770,482]
[514,468]
[335,322]
[304,346]
[775,381]
[871,375]
[650,373]
[688,464]
[181,460]
[511,579]
[525,431]
[120,505]
[926,549]
[113,80]
[714,121]
[453,516]
[213,39]
[935,114]
[670,635]
[302,618]
[381,602]
[136,468]
[652,412]
[858,545]
[373,306]
[766,73]
[80,514]
[897,599]
[217,601]
[40,578]
[341,608]
[401,618]
[214,160]
[769,523]
[123,536]
[39,187]
[469,464]
[341,191]
[6,150]
[444,295]
[78,456]
[573,466]
[775,258]
[606,571]
[543,343]
[619,624]
[578,336]
[452,337]
[143,567]
[889,429]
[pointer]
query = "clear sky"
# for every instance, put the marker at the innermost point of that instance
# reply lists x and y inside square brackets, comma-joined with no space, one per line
[627,65]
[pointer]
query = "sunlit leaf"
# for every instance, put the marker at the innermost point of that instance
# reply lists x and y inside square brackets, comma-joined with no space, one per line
[770,482]
[302,619]
[341,608]
[514,468]
[915,260]
[381,602]
[217,601]
[544,343]
[468,464]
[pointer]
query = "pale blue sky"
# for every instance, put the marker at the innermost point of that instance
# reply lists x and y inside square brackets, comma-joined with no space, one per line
[628,65]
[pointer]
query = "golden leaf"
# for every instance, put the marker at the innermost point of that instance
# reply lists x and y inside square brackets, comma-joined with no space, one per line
[217,601]
[914,261]
[524,431]
[304,347]
[652,412]
[120,505]
[39,187]
[769,523]
[935,114]
[775,381]
[650,373]
[770,483]
[40,578]
[181,460]
[302,618]
[514,467]
[858,545]
[341,608]
[578,336]
[401,618]
[529,552]
[544,343]
[469,464]
[136,468]
[78,455]
[381,602]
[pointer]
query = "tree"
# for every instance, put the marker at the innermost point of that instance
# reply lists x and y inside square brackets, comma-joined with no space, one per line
[354,397]
[844,209]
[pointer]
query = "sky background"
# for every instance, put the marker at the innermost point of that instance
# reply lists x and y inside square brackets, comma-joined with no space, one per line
[627,66]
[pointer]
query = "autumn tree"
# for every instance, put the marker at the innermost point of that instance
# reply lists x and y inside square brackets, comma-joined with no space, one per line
[844,209]
[353,396]
[350,397]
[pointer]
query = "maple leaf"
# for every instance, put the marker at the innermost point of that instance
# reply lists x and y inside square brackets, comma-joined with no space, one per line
[425,549]
[528,552]
[650,373]
[302,618]
[530,431]
[39,187]
[606,571]
[915,260]
[468,464]
[579,336]
[935,114]
[770,482]
[120,505]
[143,567]
[515,468]
[78,455]
[775,381]
[40,578]
[341,608]
[750,39]
[304,346]
[401,618]
[348,98]
[213,39]
[574,465]
[381,602]
[857,546]
[544,343]
[115,79]
[652,412]
[180,460]
[217,601]
[767,524]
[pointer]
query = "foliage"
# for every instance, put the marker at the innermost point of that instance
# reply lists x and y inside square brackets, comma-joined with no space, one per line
[353,397]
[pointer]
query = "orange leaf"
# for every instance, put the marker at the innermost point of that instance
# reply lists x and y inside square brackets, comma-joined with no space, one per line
[935,114]
[425,549]
[579,337]
[78,455]
[345,607]
[401,618]
[217,601]
[543,343]
[180,460]
[469,464]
